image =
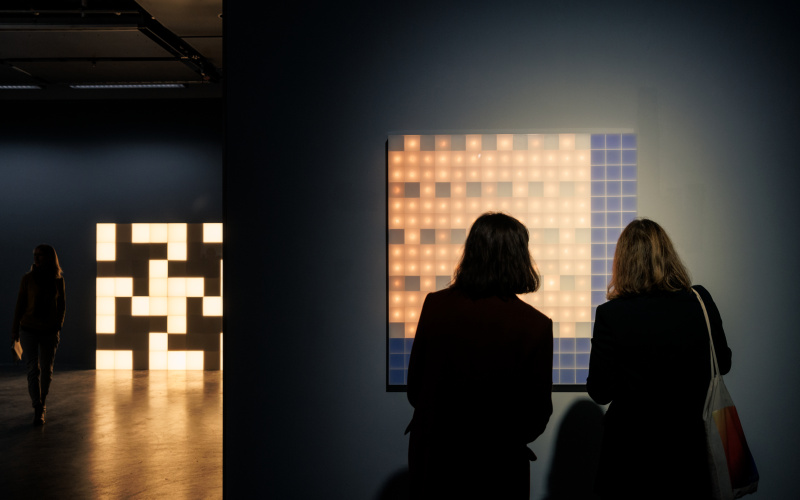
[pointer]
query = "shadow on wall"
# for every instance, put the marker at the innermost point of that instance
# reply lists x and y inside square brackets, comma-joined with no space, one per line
[576,453]
[396,487]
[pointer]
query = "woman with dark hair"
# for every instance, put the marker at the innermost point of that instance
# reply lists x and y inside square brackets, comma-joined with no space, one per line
[38,319]
[480,373]
[651,360]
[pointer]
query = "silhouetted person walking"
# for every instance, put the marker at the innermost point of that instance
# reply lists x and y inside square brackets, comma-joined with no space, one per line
[38,318]
[651,360]
[480,373]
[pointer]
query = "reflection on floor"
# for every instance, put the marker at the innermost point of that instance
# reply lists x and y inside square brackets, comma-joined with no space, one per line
[111,434]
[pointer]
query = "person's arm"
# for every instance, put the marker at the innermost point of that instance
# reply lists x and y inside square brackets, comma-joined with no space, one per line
[61,302]
[19,309]
[539,371]
[602,380]
[724,353]
[416,360]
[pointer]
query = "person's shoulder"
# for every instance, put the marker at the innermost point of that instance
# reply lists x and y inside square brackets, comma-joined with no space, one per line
[530,311]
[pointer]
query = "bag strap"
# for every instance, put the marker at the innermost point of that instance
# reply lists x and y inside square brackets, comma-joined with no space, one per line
[714,364]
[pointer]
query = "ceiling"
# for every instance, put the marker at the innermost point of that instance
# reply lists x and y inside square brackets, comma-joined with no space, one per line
[56,44]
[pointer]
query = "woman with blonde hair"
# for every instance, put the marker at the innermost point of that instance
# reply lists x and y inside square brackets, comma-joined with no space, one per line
[650,361]
[38,318]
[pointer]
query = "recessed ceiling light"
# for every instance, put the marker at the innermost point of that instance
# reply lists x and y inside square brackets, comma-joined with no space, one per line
[130,86]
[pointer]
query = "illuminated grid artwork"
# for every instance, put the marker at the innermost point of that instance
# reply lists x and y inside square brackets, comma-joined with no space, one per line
[159,296]
[574,193]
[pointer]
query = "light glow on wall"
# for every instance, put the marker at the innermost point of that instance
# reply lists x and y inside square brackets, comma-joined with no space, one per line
[573,191]
[159,296]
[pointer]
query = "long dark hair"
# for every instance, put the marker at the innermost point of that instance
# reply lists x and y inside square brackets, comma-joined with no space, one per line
[646,261]
[51,265]
[496,259]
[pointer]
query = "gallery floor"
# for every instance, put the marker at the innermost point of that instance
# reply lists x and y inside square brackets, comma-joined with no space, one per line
[113,434]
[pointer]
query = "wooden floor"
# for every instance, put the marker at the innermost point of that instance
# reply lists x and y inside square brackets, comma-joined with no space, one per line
[111,434]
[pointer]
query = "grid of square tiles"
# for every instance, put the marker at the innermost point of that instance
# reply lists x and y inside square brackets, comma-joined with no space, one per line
[159,296]
[439,184]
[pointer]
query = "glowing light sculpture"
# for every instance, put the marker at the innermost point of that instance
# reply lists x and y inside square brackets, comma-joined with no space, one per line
[159,296]
[573,191]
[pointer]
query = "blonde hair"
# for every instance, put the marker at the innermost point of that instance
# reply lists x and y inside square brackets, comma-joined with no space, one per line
[646,261]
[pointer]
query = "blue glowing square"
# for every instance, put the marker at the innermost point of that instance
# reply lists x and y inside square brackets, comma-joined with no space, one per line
[598,235]
[583,345]
[598,188]
[629,204]
[396,361]
[628,173]
[581,376]
[555,360]
[598,204]
[473,190]
[598,250]
[412,189]
[614,204]
[396,346]
[567,360]
[504,189]
[443,190]
[609,267]
[629,157]
[599,266]
[598,157]
[613,173]
[612,234]
[598,173]
[613,157]
[556,378]
[567,376]
[567,345]
[614,219]
[629,188]
[598,141]
[427,236]
[397,377]
[613,188]
[628,217]
[598,219]
[598,298]
[599,282]
[409,343]
[582,360]
[611,248]
[594,312]
[628,141]
[397,236]
[613,141]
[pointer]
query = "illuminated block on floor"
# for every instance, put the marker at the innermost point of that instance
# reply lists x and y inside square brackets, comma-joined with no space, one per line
[169,296]
[573,191]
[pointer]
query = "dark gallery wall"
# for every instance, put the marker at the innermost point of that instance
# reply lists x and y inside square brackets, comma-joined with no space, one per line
[312,95]
[67,165]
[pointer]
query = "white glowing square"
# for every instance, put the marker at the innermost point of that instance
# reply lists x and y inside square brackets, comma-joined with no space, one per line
[176,233]
[104,360]
[105,323]
[158,360]
[176,324]
[106,233]
[140,233]
[176,360]
[105,306]
[212,306]
[159,342]
[159,233]
[159,306]
[176,306]
[105,287]
[140,306]
[123,287]
[123,360]
[176,287]
[106,252]
[159,268]
[176,251]
[194,360]
[159,287]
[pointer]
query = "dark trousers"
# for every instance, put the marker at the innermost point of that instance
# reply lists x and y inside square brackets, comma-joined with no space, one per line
[39,350]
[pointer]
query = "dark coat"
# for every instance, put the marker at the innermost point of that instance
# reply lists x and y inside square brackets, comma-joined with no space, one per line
[651,360]
[480,381]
